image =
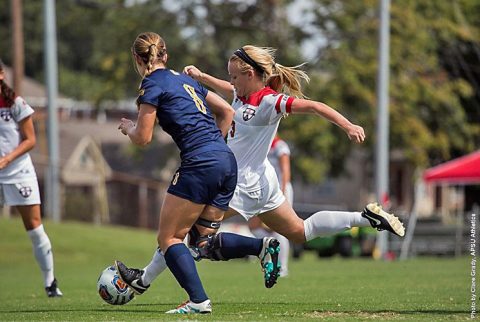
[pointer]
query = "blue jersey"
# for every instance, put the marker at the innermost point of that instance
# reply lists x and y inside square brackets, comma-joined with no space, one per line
[182,111]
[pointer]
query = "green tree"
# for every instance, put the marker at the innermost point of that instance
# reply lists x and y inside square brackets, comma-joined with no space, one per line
[94,40]
[213,30]
[434,80]
[428,119]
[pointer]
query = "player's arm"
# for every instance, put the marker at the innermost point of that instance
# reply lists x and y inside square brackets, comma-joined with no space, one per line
[140,133]
[27,133]
[354,132]
[222,110]
[220,86]
[284,162]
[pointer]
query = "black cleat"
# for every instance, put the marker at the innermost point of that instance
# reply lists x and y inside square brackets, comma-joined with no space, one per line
[382,220]
[269,261]
[132,277]
[53,290]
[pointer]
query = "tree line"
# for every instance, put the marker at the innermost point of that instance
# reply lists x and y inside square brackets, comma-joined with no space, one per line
[434,61]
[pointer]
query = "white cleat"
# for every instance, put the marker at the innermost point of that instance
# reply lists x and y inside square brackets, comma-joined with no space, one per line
[193,308]
[381,220]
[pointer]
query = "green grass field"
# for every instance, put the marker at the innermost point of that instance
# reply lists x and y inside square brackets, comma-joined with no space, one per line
[424,289]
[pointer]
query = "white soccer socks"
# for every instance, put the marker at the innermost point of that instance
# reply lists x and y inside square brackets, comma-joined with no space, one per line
[324,223]
[156,266]
[42,249]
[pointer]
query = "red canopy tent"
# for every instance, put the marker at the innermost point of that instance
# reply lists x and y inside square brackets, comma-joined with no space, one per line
[463,170]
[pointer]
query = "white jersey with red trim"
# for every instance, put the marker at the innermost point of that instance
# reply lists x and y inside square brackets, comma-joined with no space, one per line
[22,167]
[253,128]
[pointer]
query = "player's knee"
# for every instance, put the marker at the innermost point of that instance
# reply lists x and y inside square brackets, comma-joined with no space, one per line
[296,234]
[164,242]
[254,223]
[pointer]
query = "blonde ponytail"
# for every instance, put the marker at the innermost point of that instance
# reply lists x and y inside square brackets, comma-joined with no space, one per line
[152,57]
[288,80]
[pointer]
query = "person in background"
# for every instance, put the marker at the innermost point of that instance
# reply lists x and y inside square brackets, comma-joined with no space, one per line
[279,157]
[18,179]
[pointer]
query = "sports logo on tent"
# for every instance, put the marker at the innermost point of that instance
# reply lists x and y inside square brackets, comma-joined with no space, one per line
[6,115]
[25,191]
[248,113]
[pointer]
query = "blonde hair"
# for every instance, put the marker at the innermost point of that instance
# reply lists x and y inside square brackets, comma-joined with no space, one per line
[150,47]
[278,77]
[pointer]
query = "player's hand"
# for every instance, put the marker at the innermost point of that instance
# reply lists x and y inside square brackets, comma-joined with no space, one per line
[355,133]
[126,126]
[193,72]
[4,161]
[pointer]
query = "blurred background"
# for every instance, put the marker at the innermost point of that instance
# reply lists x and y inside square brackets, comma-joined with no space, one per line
[433,169]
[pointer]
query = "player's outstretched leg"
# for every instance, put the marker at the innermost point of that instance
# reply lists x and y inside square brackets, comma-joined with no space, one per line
[189,307]
[269,260]
[132,277]
[382,220]
[53,290]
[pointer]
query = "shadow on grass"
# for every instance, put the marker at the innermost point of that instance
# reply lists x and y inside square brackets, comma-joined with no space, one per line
[155,308]
[382,313]
[112,308]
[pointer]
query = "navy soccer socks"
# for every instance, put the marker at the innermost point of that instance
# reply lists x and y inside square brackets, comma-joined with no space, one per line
[181,264]
[238,246]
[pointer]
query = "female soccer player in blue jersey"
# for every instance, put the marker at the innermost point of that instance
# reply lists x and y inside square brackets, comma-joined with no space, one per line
[18,179]
[202,187]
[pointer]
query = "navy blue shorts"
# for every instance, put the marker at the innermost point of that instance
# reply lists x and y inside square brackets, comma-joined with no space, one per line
[207,178]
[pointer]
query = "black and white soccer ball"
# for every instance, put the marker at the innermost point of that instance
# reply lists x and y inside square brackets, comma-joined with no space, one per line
[112,289]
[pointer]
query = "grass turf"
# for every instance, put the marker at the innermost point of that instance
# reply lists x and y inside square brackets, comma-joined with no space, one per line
[423,289]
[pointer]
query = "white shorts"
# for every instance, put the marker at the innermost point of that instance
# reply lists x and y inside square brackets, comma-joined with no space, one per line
[256,202]
[20,194]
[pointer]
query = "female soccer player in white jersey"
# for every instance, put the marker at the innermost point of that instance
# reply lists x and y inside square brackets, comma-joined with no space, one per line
[256,88]
[18,180]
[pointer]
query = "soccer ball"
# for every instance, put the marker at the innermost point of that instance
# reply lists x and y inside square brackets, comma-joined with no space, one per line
[112,289]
